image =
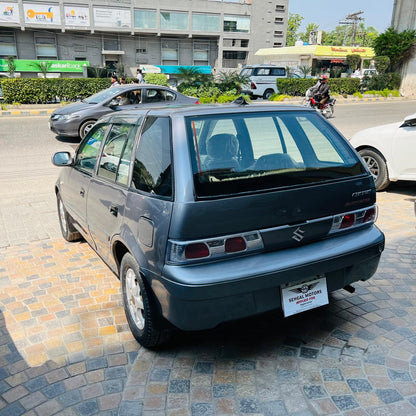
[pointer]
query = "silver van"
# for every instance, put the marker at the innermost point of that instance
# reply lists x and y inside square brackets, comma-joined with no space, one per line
[262,80]
[213,213]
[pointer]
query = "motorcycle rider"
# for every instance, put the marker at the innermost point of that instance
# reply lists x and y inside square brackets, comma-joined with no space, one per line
[321,91]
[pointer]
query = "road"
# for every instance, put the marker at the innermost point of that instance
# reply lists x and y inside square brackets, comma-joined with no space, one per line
[66,349]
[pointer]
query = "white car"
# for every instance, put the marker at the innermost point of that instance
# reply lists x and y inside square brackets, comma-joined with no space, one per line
[389,151]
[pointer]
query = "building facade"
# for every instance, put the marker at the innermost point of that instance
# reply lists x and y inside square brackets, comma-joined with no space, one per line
[222,34]
[404,17]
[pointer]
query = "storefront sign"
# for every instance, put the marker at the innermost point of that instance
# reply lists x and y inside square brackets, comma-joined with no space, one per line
[42,14]
[28,65]
[112,17]
[9,13]
[77,16]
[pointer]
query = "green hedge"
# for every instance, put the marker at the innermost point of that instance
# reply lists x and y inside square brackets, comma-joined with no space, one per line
[298,86]
[41,91]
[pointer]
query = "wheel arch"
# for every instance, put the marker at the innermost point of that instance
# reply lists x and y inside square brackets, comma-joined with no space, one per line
[374,149]
[119,250]
[88,119]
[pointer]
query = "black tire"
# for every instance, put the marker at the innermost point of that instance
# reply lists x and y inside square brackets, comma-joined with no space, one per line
[69,232]
[145,322]
[267,94]
[377,166]
[85,127]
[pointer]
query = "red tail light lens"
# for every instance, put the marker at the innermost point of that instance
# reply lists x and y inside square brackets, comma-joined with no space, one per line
[370,215]
[196,251]
[253,86]
[197,102]
[233,245]
[348,221]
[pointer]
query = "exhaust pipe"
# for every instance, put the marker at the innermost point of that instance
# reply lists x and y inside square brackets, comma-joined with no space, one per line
[349,289]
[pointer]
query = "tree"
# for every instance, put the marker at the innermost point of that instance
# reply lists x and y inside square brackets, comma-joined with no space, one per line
[232,81]
[312,27]
[305,70]
[43,67]
[192,77]
[382,63]
[397,46]
[11,66]
[353,60]
[293,24]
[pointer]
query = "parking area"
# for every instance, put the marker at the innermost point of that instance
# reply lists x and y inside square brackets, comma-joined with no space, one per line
[65,347]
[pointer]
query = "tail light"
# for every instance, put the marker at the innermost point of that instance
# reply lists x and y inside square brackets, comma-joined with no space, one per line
[354,219]
[253,86]
[197,102]
[213,248]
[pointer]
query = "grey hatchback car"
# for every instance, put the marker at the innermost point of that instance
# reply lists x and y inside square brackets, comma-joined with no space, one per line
[76,119]
[213,213]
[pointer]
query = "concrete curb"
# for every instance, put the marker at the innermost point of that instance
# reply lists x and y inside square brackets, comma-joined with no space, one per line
[39,110]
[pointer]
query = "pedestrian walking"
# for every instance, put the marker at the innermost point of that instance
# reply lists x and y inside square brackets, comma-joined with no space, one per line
[114,81]
[140,77]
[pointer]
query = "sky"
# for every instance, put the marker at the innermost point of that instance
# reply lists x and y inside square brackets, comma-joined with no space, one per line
[328,13]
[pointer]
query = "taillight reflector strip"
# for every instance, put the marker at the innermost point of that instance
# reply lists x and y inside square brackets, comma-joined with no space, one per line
[354,219]
[213,248]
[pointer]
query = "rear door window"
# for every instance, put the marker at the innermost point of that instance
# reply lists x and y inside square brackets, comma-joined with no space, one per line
[152,171]
[250,152]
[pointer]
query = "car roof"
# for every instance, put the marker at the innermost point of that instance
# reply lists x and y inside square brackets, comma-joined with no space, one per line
[206,109]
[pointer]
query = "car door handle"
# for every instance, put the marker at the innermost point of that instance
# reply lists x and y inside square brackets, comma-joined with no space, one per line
[113,210]
[82,192]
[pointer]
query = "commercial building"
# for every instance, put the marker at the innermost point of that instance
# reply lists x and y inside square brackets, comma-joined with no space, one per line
[404,17]
[320,57]
[220,34]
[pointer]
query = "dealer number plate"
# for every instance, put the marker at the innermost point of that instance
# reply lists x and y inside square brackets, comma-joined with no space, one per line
[303,296]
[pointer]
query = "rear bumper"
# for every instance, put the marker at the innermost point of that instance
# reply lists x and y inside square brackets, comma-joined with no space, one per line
[202,296]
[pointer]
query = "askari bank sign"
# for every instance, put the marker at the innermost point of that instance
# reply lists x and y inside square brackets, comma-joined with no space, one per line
[29,65]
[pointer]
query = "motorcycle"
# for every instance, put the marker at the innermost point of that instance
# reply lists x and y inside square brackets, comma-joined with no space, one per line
[327,109]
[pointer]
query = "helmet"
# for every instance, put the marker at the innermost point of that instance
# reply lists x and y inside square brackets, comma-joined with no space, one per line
[324,78]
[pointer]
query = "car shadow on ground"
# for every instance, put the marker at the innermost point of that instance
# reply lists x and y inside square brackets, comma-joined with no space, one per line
[64,139]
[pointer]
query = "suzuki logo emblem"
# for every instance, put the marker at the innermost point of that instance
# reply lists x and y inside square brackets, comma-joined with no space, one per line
[298,235]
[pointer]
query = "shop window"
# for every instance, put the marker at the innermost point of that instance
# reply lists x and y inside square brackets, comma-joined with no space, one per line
[170,51]
[231,59]
[7,45]
[201,53]
[145,19]
[237,24]
[45,46]
[174,21]
[206,22]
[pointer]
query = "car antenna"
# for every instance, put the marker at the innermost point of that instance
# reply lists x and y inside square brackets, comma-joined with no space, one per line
[241,100]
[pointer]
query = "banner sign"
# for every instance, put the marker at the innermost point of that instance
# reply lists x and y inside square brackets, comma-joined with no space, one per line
[42,14]
[33,65]
[112,17]
[9,13]
[77,16]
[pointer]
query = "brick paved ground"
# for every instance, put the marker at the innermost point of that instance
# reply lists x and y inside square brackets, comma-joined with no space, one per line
[65,347]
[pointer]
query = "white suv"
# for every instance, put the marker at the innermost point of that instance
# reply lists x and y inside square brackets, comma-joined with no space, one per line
[262,80]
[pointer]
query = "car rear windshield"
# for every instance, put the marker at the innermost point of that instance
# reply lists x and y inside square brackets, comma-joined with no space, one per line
[256,151]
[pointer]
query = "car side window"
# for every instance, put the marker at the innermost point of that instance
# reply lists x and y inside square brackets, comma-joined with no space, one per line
[152,171]
[154,95]
[88,150]
[115,159]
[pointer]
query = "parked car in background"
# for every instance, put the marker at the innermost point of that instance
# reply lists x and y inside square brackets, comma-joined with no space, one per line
[213,213]
[77,119]
[262,80]
[389,151]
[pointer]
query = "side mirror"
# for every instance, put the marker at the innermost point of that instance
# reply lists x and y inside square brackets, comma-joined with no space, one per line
[62,159]
[114,103]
